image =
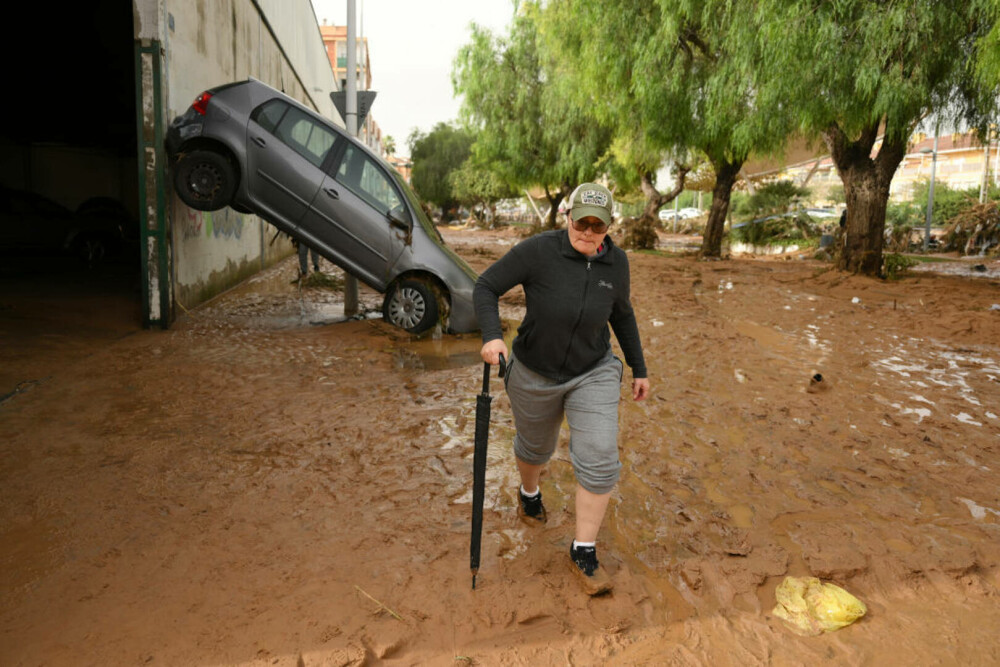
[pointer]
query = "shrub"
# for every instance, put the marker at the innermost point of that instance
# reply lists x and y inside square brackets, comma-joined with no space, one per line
[894,265]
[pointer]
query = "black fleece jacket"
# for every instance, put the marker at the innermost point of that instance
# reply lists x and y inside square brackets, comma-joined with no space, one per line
[571,299]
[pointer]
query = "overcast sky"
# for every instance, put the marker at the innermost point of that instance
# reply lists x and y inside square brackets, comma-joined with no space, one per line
[412,44]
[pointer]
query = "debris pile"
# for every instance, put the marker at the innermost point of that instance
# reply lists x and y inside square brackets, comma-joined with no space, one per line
[975,230]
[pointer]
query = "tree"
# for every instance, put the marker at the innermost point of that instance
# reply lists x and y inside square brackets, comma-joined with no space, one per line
[435,155]
[478,188]
[389,145]
[666,76]
[875,69]
[528,129]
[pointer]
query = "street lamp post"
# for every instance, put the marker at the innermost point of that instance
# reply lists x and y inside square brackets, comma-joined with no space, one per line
[930,191]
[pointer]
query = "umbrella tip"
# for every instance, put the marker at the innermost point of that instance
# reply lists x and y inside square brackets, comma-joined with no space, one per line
[473,582]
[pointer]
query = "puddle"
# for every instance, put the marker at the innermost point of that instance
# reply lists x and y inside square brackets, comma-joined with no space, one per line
[440,352]
[435,354]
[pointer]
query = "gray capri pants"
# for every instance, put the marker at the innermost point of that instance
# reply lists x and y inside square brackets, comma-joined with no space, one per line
[590,404]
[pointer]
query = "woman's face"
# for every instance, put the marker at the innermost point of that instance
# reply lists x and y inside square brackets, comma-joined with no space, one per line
[587,241]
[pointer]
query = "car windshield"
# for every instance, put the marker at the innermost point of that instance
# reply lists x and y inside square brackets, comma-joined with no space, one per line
[426,223]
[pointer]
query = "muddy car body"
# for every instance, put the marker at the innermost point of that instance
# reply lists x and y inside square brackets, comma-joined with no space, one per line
[249,146]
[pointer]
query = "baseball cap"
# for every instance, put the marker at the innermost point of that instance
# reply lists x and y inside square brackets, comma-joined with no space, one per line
[591,199]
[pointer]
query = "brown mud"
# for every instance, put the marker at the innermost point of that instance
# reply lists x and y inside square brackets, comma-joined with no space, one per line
[260,486]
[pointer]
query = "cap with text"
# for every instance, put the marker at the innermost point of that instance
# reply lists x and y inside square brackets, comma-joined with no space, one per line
[591,199]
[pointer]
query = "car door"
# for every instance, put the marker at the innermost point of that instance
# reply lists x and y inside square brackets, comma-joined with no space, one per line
[286,148]
[360,216]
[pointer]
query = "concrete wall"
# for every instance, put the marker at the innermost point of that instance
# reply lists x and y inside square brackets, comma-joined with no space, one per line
[206,43]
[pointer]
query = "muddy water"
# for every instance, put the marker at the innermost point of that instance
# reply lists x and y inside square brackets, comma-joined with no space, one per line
[240,489]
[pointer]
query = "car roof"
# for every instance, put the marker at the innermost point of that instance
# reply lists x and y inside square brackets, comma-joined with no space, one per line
[294,102]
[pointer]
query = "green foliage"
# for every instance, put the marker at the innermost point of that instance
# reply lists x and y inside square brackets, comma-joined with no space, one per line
[477,187]
[435,155]
[661,74]
[779,230]
[769,199]
[530,127]
[894,265]
[389,144]
[903,214]
[948,201]
[855,69]
[867,61]
[739,205]
[776,197]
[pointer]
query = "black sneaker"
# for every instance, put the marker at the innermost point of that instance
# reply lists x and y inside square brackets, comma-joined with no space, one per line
[584,564]
[531,509]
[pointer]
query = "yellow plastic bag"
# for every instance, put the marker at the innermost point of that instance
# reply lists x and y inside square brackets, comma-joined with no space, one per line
[811,607]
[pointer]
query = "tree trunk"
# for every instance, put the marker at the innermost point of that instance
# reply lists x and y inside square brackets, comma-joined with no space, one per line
[866,189]
[554,199]
[726,173]
[654,200]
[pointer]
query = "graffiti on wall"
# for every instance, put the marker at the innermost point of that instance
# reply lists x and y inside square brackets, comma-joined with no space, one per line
[225,223]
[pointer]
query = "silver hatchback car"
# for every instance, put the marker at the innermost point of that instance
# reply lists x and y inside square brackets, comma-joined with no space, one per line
[253,148]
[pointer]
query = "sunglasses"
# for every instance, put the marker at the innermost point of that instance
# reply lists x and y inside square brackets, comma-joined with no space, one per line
[598,227]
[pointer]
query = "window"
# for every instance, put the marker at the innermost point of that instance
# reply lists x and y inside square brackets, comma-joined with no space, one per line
[302,133]
[362,176]
[269,114]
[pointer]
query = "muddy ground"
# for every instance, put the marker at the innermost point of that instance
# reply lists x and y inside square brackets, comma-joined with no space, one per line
[258,486]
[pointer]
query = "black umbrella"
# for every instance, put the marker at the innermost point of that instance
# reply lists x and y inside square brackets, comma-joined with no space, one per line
[483,401]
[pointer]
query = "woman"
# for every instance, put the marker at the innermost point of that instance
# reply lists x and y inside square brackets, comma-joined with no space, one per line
[576,282]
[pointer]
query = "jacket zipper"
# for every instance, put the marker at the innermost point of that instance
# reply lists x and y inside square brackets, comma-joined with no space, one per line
[579,317]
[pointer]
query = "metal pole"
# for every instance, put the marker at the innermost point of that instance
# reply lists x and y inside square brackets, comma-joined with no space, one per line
[350,282]
[930,192]
[986,170]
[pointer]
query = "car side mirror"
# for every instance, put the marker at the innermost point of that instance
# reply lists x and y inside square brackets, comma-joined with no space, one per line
[401,223]
[397,221]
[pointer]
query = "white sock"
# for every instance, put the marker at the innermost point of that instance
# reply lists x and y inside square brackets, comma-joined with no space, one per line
[530,495]
[583,544]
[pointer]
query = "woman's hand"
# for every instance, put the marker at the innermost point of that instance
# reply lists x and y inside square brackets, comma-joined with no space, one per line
[492,350]
[640,388]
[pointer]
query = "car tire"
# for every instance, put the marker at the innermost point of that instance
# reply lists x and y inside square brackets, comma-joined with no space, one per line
[92,249]
[205,180]
[411,305]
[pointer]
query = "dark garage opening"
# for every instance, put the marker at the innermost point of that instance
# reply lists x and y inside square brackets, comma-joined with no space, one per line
[69,255]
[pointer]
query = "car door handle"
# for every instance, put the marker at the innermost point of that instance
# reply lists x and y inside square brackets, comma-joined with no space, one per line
[333,193]
[260,142]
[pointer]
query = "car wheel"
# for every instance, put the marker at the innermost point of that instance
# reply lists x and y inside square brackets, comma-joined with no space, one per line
[92,250]
[205,180]
[411,305]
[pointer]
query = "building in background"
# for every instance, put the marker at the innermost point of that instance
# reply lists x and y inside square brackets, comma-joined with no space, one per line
[335,41]
[961,160]
[402,164]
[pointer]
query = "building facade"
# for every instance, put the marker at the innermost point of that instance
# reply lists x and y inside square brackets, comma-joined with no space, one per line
[335,42]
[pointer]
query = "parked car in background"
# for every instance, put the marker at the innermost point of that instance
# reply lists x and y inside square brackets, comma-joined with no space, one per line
[668,214]
[250,147]
[33,224]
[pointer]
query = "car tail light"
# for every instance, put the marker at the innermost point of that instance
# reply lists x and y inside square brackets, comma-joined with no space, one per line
[201,102]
